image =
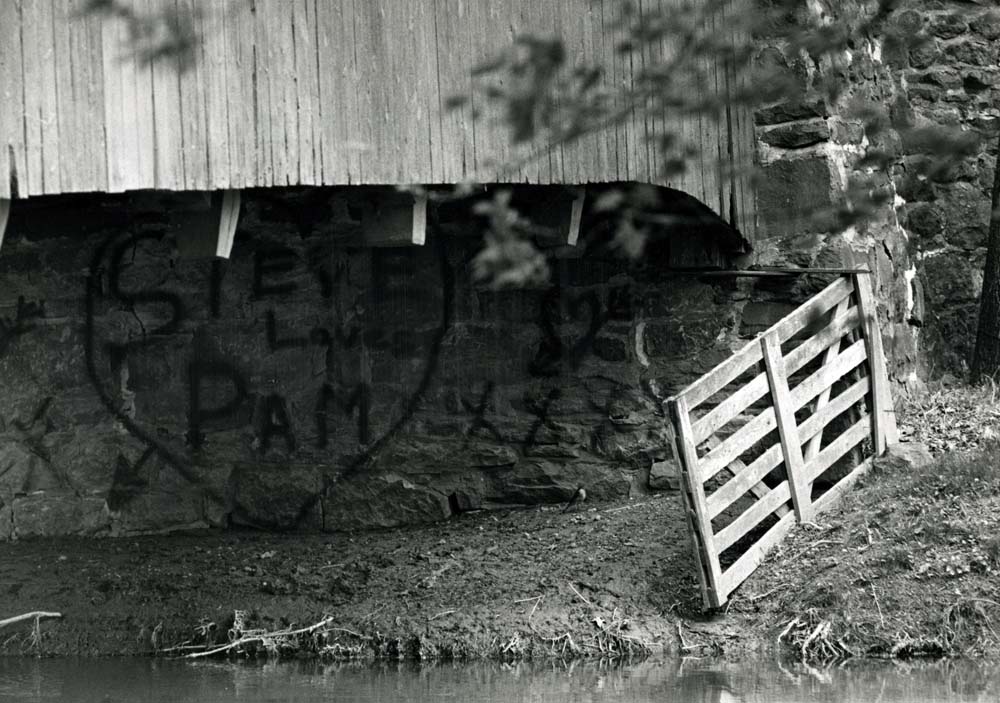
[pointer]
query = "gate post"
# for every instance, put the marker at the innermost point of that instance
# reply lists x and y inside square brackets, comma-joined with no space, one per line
[884,430]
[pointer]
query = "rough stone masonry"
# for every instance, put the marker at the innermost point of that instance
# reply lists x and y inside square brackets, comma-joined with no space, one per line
[311,383]
[927,247]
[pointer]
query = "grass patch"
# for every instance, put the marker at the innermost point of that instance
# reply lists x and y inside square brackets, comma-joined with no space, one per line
[907,566]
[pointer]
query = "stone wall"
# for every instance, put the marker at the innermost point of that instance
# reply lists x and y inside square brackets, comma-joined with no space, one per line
[310,383]
[926,245]
[952,78]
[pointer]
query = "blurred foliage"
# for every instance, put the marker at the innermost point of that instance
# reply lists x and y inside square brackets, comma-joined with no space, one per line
[544,102]
[168,33]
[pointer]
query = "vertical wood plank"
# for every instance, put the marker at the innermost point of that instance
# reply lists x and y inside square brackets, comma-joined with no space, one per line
[304,82]
[264,136]
[688,456]
[192,112]
[69,51]
[216,94]
[457,160]
[12,147]
[368,96]
[4,216]
[241,94]
[791,447]
[33,49]
[813,446]
[884,430]
[140,111]
[608,61]
[114,120]
[90,99]
[227,223]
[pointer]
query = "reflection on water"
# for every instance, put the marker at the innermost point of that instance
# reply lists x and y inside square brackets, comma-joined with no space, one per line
[698,681]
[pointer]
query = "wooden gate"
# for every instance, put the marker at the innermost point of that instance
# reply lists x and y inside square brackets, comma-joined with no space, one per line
[779,431]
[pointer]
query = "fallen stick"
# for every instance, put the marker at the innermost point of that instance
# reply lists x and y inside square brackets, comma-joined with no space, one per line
[580,595]
[36,616]
[260,638]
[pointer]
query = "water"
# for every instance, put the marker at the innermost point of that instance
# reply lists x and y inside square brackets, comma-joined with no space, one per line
[696,681]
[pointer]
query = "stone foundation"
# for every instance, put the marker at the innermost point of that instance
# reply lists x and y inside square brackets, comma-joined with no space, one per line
[312,384]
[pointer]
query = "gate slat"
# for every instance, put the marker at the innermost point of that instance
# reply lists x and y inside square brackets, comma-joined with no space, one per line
[737,443]
[723,374]
[837,448]
[736,467]
[827,500]
[745,565]
[695,487]
[757,388]
[825,377]
[829,356]
[784,410]
[813,427]
[732,532]
[736,487]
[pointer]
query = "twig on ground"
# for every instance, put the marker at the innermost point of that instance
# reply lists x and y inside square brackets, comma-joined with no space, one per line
[877,606]
[630,506]
[263,637]
[812,546]
[442,614]
[754,599]
[579,595]
[36,616]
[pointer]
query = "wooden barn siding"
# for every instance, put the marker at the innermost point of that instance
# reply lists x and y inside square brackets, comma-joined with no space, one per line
[311,92]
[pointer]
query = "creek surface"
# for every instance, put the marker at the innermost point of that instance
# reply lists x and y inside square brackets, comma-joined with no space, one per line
[702,680]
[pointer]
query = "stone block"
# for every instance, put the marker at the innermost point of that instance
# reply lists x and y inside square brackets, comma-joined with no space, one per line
[924,54]
[924,219]
[275,496]
[987,25]
[6,523]
[537,480]
[610,348]
[665,476]
[940,77]
[385,500]
[975,53]
[48,514]
[908,22]
[161,511]
[758,316]
[966,214]
[796,135]
[789,191]
[947,26]
[789,111]
[907,456]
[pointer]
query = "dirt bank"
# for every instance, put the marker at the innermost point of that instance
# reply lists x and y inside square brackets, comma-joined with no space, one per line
[511,584]
[907,565]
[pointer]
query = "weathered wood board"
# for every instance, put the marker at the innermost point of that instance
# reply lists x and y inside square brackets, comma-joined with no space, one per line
[312,92]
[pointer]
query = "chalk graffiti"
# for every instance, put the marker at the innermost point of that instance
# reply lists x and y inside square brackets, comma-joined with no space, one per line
[270,356]
[479,410]
[275,422]
[356,400]
[200,371]
[23,322]
[342,395]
